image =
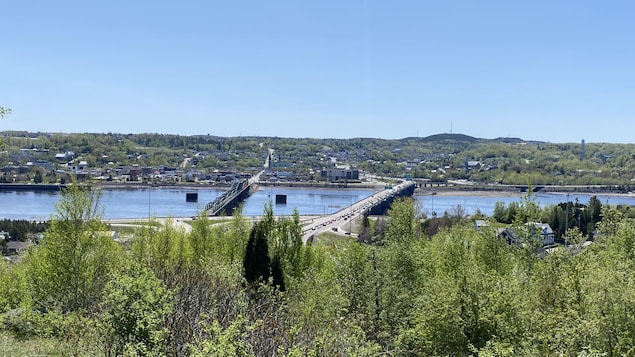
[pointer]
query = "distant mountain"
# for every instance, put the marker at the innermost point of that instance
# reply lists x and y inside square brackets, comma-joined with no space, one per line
[467,139]
[508,140]
[445,138]
[450,137]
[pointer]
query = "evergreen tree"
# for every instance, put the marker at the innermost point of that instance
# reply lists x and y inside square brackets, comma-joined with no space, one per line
[38,177]
[257,263]
[277,273]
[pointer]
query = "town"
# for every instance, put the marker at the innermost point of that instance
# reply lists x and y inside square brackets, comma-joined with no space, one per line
[48,158]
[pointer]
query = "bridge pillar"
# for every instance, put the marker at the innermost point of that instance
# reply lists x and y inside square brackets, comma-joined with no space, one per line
[380,208]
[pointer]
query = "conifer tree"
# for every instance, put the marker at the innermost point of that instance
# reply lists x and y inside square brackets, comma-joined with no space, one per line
[257,263]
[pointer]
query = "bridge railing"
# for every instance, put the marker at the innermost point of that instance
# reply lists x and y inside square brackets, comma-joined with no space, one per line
[223,200]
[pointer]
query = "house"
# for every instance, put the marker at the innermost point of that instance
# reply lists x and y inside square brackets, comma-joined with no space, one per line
[542,232]
[472,165]
[66,156]
[15,247]
[81,166]
[480,223]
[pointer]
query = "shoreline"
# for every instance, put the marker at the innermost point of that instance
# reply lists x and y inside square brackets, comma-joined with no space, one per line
[496,193]
[419,191]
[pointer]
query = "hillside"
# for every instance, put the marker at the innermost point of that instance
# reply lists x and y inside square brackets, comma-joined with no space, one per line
[437,157]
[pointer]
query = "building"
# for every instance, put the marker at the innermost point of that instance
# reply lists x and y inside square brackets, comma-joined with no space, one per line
[65,156]
[480,223]
[540,231]
[15,247]
[334,175]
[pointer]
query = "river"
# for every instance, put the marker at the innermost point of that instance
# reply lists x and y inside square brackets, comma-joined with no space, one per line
[163,202]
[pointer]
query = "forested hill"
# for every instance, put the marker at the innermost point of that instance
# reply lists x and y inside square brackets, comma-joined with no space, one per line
[450,138]
[462,138]
[437,157]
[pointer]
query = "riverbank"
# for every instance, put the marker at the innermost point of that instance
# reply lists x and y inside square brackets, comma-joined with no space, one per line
[119,202]
[30,187]
[222,186]
[498,190]
[441,190]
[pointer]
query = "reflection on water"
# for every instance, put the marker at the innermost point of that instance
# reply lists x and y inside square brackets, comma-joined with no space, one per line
[161,202]
[486,204]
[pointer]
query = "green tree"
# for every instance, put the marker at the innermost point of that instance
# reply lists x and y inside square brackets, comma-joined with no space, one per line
[358,281]
[14,289]
[4,111]
[38,177]
[500,212]
[257,262]
[73,263]
[229,342]
[286,246]
[136,304]
[402,224]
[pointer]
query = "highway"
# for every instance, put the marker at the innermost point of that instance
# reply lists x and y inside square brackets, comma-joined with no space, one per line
[340,221]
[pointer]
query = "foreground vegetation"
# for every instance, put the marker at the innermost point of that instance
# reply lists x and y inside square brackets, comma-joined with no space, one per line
[239,289]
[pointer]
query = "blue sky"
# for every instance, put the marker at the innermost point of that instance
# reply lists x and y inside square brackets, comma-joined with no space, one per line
[558,71]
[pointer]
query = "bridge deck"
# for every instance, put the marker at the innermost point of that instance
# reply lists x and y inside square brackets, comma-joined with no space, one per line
[220,203]
[346,215]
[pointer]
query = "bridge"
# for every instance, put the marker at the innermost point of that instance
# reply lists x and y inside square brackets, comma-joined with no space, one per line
[228,201]
[376,204]
[239,191]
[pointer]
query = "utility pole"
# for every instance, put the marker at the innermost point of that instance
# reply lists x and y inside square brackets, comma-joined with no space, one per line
[566,218]
[350,217]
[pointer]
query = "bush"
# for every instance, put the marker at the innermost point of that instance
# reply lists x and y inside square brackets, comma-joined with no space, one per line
[136,305]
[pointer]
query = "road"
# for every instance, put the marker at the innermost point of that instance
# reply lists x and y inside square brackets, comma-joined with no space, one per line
[177,222]
[341,220]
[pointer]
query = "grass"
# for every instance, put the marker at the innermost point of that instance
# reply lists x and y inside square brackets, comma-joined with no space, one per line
[11,346]
[125,230]
[328,238]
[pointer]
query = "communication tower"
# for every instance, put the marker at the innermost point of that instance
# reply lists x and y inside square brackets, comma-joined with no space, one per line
[582,150]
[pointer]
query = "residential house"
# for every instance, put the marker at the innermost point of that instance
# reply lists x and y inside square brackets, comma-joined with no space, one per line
[65,156]
[14,247]
[540,231]
[472,165]
[480,223]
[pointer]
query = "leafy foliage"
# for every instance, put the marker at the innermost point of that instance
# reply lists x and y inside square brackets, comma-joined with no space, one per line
[72,265]
[136,303]
[458,292]
[4,111]
[257,263]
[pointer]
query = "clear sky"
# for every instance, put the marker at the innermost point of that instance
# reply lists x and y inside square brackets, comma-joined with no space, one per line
[558,71]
